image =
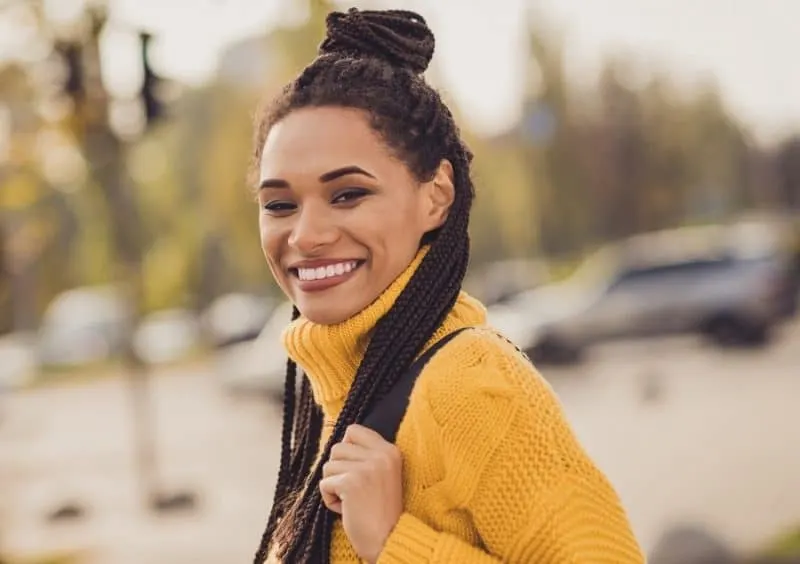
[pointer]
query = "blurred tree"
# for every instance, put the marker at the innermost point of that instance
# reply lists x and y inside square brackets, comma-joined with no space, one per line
[718,154]
[21,195]
[298,45]
[787,164]
[581,167]
[555,192]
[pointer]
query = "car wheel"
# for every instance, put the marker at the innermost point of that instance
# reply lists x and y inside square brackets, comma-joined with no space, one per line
[729,331]
[552,350]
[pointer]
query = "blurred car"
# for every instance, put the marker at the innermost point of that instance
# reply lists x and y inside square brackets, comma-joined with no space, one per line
[166,336]
[82,326]
[235,318]
[257,367]
[17,360]
[729,284]
[502,281]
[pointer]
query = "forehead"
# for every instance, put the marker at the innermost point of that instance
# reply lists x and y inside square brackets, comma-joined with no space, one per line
[312,141]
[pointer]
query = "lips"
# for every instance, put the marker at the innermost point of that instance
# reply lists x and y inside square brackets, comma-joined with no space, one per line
[314,276]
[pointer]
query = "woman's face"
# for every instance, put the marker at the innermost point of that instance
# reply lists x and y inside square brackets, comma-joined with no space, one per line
[340,217]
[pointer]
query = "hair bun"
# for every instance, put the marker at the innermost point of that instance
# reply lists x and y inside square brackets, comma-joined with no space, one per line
[399,37]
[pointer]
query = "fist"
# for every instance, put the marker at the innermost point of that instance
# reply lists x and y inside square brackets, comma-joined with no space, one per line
[363,482]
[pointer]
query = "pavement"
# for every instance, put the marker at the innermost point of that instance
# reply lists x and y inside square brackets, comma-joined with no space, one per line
[685,432]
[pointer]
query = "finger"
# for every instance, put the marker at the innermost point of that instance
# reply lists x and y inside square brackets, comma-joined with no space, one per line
[333,503]
[349,451]
[381,452]
[366,437]
[336,467]
[329,488]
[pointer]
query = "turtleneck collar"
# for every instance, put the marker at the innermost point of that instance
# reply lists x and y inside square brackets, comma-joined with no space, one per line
[331,354]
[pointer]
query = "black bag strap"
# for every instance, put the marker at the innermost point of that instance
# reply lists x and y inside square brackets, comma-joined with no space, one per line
[386,415]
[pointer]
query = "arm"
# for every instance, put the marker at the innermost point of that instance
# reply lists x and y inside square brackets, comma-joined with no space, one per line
[530,489]
[414,541]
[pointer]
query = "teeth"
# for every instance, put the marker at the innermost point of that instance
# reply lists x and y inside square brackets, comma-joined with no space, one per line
[329,271]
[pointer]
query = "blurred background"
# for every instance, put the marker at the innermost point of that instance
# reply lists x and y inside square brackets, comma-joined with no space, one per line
[637,233]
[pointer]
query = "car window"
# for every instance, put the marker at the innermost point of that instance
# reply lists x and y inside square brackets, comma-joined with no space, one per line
[684,272]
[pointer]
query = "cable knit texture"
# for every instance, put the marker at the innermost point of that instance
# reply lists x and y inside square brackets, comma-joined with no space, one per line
[492,470]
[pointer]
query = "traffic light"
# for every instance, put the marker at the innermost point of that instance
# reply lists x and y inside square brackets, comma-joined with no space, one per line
[153,106]
[74,84]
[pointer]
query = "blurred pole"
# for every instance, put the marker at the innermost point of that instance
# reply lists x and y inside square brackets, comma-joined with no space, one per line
[106,154]
[21,273]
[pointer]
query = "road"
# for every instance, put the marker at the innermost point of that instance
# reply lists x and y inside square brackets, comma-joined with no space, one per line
[685,433]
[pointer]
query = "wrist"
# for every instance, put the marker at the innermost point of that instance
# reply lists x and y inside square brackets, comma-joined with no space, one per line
[376,554]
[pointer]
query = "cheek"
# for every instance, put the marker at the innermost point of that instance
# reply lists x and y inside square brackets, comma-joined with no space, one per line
[399,217]
[387,230]
[270,243]
[394,234]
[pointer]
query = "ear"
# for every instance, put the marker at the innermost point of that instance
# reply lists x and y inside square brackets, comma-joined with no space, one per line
[440,193]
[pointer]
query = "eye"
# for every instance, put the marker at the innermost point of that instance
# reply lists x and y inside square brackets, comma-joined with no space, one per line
[350,195]
[278,207]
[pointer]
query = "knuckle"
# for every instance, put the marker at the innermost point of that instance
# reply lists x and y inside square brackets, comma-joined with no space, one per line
[391,457]
[383,462]
[347,481]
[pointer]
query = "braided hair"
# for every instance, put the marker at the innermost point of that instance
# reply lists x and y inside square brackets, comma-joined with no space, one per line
[371,61]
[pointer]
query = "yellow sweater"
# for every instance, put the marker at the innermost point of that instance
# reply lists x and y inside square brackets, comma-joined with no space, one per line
[492,471]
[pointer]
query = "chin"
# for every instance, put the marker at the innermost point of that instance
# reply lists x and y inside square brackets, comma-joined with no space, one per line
[329,313]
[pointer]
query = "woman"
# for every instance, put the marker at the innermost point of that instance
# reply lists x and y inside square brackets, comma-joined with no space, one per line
[365,192]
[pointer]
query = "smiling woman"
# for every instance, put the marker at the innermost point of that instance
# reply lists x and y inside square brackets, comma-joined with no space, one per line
[340,213]
[364,190]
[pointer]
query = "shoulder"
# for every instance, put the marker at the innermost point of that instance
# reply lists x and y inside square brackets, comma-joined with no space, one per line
[491,408]
[482,369]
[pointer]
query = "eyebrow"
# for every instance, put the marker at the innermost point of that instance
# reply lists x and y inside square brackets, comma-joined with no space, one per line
[326,177]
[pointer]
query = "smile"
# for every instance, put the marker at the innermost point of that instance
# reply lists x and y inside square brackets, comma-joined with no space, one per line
[328,271]
[318,278]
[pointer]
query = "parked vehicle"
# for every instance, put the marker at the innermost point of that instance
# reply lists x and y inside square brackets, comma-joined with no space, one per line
[727,283]
[501,281]
[166,336]
[83,325]
[235,318]
[257,367]
[17,360]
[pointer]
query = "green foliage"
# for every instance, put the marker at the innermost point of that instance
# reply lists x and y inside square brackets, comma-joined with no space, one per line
[787,544]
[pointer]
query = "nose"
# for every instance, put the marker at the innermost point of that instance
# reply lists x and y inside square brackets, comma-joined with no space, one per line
[313,229]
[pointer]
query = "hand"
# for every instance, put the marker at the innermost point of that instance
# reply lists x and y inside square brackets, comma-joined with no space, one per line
[363,482]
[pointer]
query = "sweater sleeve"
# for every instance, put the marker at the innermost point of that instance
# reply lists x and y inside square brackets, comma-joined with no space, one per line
[414,541]
[530,489]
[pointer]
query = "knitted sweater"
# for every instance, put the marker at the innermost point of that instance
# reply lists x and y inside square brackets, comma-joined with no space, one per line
[492,471]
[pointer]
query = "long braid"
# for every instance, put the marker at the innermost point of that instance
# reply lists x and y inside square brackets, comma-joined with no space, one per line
[371,61]
[306,442]
[283,485]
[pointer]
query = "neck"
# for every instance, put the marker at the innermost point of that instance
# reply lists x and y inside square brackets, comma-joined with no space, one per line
[330,354]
